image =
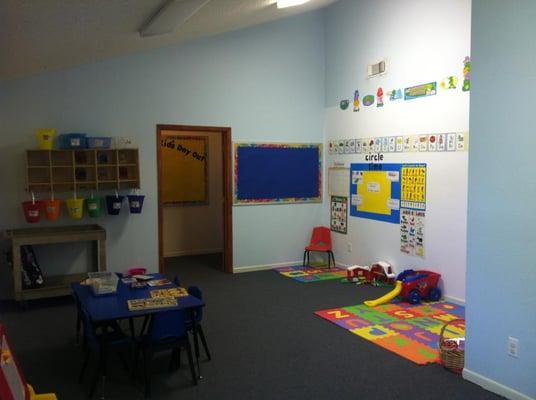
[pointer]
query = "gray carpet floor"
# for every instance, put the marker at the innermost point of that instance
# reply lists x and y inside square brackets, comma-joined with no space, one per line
[266,343]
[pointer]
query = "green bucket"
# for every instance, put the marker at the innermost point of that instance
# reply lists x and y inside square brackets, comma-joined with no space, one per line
[94,207]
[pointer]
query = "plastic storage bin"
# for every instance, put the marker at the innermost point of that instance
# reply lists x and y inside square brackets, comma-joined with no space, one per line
[103,283]
[99,142]
[124,142]
[68,141]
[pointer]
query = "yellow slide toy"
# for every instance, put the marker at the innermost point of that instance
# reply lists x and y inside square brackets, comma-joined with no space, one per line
[386,298]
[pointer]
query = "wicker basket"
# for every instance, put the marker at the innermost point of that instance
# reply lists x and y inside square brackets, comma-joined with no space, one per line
[452,357]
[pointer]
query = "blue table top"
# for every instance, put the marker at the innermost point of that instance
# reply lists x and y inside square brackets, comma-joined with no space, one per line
[114,306]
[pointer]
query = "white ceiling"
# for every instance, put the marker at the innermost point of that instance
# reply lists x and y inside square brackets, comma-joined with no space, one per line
[43,35]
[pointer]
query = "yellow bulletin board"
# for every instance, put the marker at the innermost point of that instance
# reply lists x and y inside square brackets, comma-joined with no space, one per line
[184,169]
[375,192]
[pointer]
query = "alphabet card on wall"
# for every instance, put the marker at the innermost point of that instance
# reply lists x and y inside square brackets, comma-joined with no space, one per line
[375,191]
[339,214]
[413,186]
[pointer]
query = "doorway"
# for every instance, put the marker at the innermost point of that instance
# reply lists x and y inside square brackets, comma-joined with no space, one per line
[178,201]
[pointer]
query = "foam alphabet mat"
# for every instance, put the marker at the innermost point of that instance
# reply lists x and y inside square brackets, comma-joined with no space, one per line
[411,331]
[311,274]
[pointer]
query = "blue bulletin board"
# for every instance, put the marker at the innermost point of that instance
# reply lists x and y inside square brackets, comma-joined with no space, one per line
[268,173]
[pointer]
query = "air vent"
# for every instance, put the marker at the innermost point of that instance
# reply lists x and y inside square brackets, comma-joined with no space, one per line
[376,69]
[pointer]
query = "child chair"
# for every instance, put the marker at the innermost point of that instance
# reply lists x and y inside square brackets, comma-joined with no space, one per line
[198,317]
[167,331]
[320,242]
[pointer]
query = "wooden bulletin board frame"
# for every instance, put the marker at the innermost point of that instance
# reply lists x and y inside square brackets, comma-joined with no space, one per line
[184,158]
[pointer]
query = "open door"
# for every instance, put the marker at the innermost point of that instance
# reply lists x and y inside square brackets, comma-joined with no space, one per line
[196,136]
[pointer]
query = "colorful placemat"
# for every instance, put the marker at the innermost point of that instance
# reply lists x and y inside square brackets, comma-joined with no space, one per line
[311,274]
[171,292]
[411,331]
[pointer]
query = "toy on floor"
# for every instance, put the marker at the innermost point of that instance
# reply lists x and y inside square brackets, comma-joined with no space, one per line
[377,274]
[34,396]
[412,286]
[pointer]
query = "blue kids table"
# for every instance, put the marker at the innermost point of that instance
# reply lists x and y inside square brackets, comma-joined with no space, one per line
[114,307]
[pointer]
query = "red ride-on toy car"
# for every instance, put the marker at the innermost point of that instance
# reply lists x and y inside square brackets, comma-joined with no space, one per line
[417,285]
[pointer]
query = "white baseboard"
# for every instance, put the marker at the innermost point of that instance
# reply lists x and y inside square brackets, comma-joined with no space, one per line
[263,267]
[493,386]
[455,300]
[195,252]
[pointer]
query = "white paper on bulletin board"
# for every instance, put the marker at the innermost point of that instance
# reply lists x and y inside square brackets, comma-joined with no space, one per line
[339,181]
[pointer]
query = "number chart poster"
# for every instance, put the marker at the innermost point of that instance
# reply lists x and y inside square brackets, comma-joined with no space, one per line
[375,191]
[339,214]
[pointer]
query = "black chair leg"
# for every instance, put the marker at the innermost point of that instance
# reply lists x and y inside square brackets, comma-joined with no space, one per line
[333,257]
[123,361]
[204,341]
[78,327]
[196,340]
[175,360]
[304,253]
[191,361]
[135,362]
[147,372]
[99,374]
[84,366]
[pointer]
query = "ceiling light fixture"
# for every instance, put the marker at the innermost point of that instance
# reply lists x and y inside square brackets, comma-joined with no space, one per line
[171,15]
[290,3]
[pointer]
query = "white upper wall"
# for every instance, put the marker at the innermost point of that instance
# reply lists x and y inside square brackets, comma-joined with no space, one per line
[423,41]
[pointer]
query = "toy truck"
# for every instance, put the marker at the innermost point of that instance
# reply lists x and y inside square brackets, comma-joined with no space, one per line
[417,285]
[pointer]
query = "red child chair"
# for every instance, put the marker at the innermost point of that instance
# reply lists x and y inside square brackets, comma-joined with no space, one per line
[321,242]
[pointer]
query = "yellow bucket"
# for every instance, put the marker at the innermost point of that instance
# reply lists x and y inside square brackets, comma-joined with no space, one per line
[75,208]
[45,138]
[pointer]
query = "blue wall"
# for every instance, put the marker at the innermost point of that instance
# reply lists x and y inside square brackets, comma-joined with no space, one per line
[501,277]
[265,82]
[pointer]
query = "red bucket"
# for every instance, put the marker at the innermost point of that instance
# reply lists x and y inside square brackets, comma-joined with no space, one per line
[32,211]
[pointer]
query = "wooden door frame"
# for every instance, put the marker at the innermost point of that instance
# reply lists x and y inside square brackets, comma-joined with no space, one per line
[227,189]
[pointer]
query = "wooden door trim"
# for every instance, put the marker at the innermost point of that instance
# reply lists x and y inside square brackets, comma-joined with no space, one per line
[225,133]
